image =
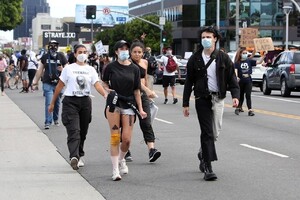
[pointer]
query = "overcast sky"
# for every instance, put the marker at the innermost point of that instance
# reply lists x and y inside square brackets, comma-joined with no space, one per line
[66,8]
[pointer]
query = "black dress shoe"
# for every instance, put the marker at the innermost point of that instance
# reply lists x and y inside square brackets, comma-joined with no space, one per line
[209,175]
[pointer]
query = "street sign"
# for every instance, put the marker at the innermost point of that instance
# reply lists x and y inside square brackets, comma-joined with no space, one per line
[106,11]
[162,21]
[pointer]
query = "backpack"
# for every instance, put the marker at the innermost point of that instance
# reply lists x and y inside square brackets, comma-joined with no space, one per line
[171,65]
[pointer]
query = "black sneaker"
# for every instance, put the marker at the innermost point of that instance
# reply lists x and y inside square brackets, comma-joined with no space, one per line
[128,156]
[175,100]
[209,175]
[166,101]
[154,154]
[237,111]
[251,113]
[202,164]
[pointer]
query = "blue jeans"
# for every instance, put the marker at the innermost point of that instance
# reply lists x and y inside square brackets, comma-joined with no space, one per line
[48,93]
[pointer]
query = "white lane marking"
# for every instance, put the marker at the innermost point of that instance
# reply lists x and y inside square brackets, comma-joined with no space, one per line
[92,96]
[161,120]
[278,99]
[264,150]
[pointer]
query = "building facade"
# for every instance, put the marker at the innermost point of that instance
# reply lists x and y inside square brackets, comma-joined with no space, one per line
[188,16]
[30,10]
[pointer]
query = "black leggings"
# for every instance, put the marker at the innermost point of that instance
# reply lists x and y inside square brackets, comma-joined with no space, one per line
[245,88]
[31,74]
[2,80]
[145,124]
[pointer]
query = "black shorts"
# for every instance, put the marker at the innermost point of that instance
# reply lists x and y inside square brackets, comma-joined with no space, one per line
[168,81]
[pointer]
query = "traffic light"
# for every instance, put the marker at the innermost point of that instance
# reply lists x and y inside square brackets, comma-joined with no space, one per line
[280,4]
[164,36]
[91,12]
[298,26]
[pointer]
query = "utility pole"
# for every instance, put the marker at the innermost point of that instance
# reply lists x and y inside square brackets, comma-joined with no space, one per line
[92,32]
[218,20]
[237,19]
[161,23]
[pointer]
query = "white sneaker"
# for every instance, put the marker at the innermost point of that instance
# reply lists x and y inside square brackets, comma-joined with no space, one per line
[123,167]
[116,175]
[81,162]
[74,163]
[56,123]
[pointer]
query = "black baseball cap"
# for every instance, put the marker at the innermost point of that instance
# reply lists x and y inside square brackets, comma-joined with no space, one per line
[121,43]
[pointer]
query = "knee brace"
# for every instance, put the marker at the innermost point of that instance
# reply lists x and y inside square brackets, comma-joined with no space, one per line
[115,139]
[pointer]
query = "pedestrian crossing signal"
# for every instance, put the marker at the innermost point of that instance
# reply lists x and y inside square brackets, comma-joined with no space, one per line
[91,12]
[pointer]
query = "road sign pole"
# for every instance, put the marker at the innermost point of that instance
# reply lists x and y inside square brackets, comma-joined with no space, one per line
[92,31]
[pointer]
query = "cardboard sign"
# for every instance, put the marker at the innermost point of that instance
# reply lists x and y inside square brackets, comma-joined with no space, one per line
[263,44]
[247,36]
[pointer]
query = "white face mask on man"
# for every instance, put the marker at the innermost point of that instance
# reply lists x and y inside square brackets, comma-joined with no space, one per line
[169,52]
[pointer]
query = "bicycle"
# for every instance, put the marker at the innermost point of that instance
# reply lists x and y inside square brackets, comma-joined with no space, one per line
[14,79]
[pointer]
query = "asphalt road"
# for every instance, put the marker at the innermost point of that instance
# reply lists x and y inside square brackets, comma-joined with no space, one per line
[259,157]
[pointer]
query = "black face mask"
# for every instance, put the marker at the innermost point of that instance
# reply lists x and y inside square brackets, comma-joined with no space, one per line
[53,50]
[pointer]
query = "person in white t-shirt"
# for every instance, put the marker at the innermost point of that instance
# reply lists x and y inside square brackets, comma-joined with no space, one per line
[77,78]
[169,77]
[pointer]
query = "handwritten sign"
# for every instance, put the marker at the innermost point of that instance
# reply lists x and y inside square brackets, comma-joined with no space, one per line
[263,44]
[247,36]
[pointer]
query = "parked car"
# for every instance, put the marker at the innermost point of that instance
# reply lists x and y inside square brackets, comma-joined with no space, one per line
[283,74]
[182,67]
[257,73]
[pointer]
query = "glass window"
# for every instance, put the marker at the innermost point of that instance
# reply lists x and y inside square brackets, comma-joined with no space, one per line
[191,16]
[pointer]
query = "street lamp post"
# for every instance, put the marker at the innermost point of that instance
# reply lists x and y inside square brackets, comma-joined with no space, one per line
[287,10]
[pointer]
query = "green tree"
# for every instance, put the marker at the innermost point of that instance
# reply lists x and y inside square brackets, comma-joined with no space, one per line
[133,30]
[10,14]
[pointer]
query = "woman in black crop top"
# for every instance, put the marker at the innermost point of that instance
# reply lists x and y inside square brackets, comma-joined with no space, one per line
[123,77]
[136,52]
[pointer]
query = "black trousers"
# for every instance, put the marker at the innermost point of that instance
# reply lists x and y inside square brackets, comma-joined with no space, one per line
[76,117]
[245,90]
[145,124]
[205,118]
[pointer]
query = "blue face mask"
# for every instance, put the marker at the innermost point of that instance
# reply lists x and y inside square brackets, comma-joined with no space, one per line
[206,43]
[123,55]
[244,56]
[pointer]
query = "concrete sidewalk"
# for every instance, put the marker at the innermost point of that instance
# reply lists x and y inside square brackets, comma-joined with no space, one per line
[30,166]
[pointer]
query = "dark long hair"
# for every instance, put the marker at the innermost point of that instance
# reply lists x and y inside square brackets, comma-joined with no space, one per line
[238,56]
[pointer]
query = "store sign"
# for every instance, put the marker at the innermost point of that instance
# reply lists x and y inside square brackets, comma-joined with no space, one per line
[55,35]
[63,38]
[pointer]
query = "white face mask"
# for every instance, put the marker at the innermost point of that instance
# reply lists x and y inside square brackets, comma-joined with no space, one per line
[123,55]
[206,43]
[82,57]
[244,56]
[169,52]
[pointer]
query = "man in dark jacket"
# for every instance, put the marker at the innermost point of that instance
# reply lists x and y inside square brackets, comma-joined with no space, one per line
[209,73]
